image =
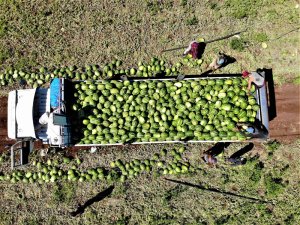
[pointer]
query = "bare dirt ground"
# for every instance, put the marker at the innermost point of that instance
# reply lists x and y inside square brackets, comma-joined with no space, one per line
[285,127]
[3,124]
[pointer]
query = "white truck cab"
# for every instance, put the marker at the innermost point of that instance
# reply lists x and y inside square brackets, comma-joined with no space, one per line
[25,107]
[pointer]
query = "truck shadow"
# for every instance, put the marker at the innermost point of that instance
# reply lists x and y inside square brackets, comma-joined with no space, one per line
[270,94]
[100,196]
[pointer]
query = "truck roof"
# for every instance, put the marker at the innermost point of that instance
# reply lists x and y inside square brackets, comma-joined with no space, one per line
[20,113]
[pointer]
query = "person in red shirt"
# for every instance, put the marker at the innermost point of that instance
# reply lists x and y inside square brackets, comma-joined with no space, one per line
[253,77]
[196,49]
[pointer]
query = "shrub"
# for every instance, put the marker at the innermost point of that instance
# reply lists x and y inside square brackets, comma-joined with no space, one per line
[192,21]
[64,193]
[237,44]
[183,2]
[260,37]
[273,185]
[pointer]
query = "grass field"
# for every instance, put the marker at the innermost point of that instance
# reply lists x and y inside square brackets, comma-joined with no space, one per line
[271,174]
[57,33]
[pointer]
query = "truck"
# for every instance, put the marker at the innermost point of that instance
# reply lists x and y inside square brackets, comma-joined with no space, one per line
[26,108]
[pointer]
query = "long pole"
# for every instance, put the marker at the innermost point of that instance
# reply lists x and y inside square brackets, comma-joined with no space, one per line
[206,42]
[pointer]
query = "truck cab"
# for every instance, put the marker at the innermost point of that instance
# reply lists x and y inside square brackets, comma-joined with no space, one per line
[25,108]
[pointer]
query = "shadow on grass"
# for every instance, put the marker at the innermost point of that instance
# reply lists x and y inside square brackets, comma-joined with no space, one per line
[242,151]
[214,190]
[284,34]
[100,196]
[218,148]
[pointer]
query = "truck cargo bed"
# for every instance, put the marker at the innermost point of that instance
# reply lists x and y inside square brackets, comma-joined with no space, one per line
[260,95]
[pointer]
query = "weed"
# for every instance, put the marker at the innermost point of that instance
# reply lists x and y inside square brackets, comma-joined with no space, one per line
[260,37]
[6,218]
[119,190]
[53,220]
[293,16]
[272,146]
[173,193]
[264,211]
[274,186]
[291,219]
[64,192]
[183,2]
[24,62]
[241,9]
[90,216]
[257,172]
[297,80]
[154,7]
[31,221]
[213,5]
[122,221]
[192,21]
[271,14]
[222,219]
[240,13]
[237,44]
[4,54]
[163,219]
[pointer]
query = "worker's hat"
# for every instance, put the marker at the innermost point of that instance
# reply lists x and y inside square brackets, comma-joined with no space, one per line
[245,73]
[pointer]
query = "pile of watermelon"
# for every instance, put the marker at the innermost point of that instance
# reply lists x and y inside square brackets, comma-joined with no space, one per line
[170,110]
[67,169]
[37,78]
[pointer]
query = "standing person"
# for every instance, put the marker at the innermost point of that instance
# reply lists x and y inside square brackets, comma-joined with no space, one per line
[218,62]
[253,77]
[196,49]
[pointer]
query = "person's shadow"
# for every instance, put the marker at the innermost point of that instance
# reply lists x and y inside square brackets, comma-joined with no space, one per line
[201,49]
[218,148]
[100,196]
[242,151]
[229,60]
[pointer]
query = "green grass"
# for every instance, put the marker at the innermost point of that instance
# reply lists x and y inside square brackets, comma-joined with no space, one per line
[237,44]
[60,33]
[63,193]
[150,199]
[192,21]
[260,37]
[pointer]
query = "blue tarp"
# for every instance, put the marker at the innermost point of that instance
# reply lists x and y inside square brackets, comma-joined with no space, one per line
[55,93]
